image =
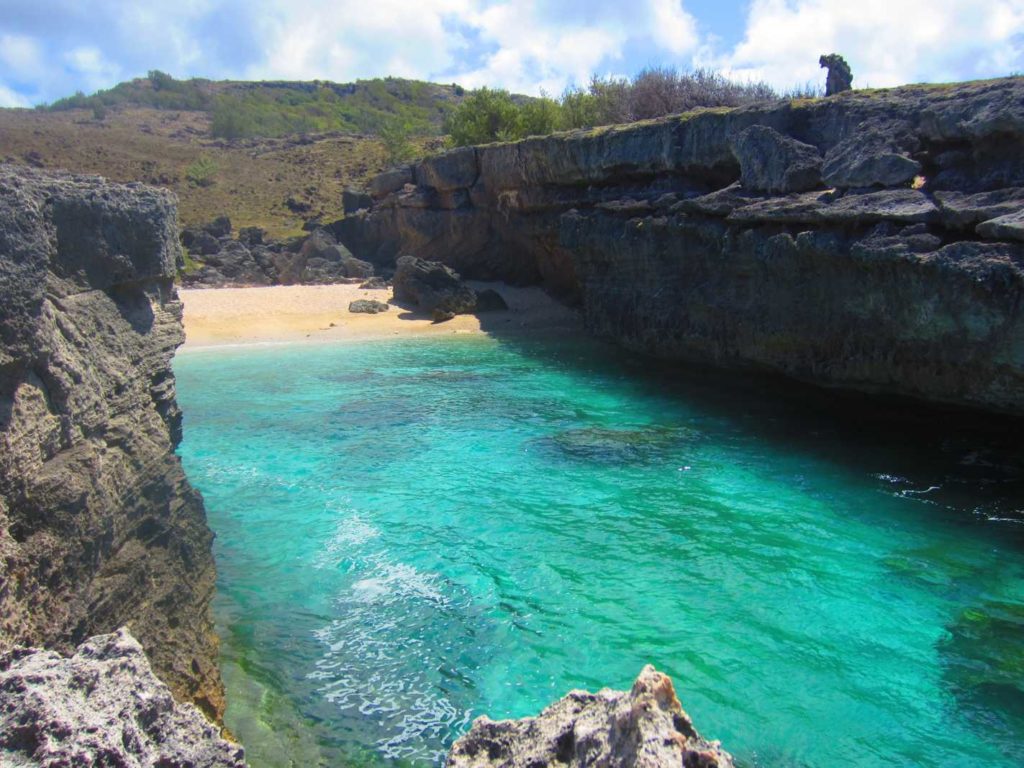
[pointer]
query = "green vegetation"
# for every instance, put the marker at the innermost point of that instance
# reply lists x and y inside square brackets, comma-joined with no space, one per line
[271,109]
[494,115]
[397,145]
[202,171]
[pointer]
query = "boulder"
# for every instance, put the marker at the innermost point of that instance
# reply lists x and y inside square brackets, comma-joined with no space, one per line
[644,727]
[353,200]
[772,162]
[251,235]
[376,284]
[219,227]
[1008,227]
[235,262]
[457,169]
[368,306]
[390,181]
[101,706]
[202,243]
[432,286]
[962,209]
[489,300]
[868,158]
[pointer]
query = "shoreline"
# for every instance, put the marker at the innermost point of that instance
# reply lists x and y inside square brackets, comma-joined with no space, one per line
[218,318]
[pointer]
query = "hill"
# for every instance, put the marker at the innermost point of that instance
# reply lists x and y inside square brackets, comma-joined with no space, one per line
[277,108]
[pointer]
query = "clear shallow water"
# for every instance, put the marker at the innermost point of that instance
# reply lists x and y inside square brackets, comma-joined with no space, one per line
[413,533]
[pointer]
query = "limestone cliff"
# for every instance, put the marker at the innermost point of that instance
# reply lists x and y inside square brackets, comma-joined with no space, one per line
[869,241]
[101,707]
[98,526]
[644,727]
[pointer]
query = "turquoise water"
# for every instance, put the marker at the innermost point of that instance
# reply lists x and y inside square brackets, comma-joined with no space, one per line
[413,533]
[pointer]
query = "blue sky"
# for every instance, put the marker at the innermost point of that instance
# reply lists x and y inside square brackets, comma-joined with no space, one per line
[51,48]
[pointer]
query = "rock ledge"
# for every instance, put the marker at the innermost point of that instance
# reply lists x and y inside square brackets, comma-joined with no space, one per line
[645,727]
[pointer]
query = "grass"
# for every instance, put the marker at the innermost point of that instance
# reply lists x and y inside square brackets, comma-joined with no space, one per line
[253,178]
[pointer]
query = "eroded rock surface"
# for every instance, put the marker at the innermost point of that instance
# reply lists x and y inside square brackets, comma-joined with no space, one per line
[101,706]
[642,728]
[712,236]
[432,287]
[98,526]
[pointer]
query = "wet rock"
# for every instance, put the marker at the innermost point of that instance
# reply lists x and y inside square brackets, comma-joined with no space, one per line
[368,306]
[644,727]
[489,300]
[432,287]
[772,162]
[101,706]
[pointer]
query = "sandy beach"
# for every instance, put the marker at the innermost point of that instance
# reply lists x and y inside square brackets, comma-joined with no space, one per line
[297,313]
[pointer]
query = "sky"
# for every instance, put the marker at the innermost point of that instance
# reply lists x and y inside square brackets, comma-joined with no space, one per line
[52,48]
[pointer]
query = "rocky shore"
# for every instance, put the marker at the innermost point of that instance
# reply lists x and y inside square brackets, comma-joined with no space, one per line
[99,528]
[644,727]
[870,241]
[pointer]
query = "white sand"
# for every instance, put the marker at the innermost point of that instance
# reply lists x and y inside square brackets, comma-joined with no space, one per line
[294,313]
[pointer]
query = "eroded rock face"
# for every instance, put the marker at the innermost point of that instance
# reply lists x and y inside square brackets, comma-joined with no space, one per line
[432,287]
[98,526]
[642,728]
[710,237]
[101,706]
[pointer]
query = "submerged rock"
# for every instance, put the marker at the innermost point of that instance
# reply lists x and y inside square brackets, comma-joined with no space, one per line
[645,727]
[102,706]
[620,446]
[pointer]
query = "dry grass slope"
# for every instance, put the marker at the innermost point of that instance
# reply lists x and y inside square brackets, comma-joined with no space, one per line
[253,179]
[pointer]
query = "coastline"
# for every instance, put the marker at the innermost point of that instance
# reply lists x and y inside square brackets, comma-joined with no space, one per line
[232,317]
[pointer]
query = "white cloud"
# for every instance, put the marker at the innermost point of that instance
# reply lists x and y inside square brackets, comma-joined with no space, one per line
[886,42]
[9,98]
[50,48]
[21,55]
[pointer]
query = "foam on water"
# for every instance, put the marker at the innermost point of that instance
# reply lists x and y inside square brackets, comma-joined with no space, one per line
[411,534]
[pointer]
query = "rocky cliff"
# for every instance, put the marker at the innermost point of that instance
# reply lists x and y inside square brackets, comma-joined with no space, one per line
[98,526]
[101,707]
[870,241]
[644,727]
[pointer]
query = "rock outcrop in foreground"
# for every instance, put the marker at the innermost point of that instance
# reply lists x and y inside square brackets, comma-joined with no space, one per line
[643,728]
[98,526]
[102,706]
[869,241]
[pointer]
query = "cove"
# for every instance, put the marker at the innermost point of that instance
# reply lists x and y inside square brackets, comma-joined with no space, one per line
[413,533]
